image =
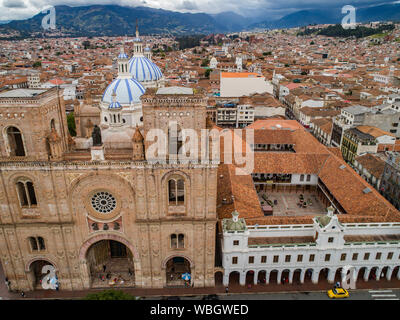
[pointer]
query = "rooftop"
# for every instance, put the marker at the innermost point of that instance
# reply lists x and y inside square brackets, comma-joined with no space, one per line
[21,93]
[175,90]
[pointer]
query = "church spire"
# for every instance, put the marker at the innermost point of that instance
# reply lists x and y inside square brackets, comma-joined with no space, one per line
[138,45]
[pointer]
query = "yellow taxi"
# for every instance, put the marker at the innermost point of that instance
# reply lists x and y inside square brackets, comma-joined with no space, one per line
[338,293]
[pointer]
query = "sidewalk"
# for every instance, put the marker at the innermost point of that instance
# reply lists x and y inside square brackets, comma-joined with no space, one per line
[233,289]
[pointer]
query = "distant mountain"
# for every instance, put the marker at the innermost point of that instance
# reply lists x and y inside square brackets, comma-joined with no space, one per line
[300,18]
[387,12]
[4,21]
[230,21]
[113,20]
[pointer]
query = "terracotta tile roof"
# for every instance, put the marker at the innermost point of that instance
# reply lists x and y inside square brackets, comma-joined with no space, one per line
[374,131]
[310,157]
[336,151]
[280,240]
[289,163]
[241,187]
[374,238]
[348,188]
[239,75]
[374,165]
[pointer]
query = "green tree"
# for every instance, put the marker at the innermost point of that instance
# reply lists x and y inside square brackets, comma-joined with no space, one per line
[110,295]
[86,44]
[71,124]
[207,73]
[37,64]
[205,63]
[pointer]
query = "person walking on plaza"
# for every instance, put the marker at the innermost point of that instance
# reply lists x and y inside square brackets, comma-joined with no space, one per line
[7,282]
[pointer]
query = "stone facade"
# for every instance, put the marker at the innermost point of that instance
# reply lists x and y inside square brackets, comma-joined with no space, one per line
[62,210]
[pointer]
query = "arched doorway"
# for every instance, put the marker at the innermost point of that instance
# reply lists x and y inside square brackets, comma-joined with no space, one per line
[361,274]
[323,275]
[384,273]
[273,276]
[395,273]
[111,264]
[296,276]
[175,269]
[218,278]
[338,275]
[372,273]
[308,275]
[234,278]
[285,276]
[262,277]
[40,271]
[250,277]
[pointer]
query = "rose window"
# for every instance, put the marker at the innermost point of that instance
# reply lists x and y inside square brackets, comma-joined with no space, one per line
[103,202]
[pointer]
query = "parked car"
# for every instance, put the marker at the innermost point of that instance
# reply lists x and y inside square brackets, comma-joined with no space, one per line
[338,293]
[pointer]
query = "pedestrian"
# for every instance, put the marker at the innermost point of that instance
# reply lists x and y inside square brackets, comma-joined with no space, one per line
[130,271]
[226,290]
[22,294]
[7,282]
[104,268]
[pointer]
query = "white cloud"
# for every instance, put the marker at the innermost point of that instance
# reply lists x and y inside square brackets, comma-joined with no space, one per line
[21,9]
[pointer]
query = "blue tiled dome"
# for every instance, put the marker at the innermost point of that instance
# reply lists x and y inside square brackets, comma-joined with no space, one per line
[114,105]
[126,90]
[123,55]
[142,69]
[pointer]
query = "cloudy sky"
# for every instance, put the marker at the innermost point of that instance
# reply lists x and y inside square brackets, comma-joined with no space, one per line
[22,9]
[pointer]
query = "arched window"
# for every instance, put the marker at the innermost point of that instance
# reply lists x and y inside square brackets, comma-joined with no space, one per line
[176,191]
[37,244]
[181,241]
[177,241]
[33,243]
[52,124]
[26,193]
[15,142]
[174,243]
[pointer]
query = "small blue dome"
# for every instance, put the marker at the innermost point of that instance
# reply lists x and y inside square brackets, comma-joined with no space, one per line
[123,55]
[114,105]
[142,69]
[126,90]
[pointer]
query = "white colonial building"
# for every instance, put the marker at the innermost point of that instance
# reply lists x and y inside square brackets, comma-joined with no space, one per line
[325,249]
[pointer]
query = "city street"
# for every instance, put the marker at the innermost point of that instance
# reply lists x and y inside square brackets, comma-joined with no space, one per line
[385,294]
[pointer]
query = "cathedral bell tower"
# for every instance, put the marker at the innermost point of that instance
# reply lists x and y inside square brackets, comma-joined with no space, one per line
[138,45]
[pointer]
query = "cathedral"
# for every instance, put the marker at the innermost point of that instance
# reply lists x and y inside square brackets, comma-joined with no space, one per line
[92,206]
